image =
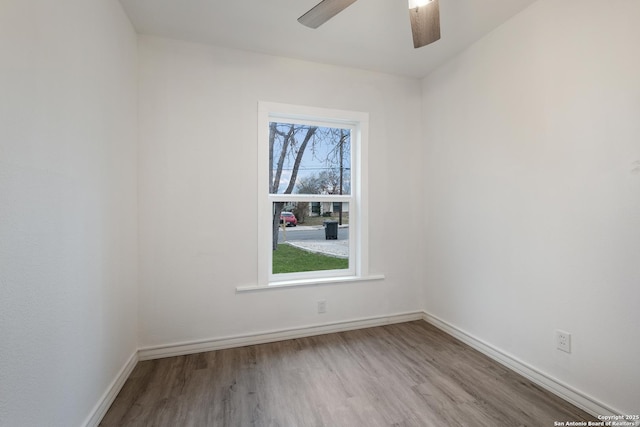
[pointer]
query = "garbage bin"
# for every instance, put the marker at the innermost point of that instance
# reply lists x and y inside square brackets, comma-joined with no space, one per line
[331,230]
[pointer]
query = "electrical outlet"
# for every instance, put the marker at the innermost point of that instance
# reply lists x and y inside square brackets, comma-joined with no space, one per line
[322,307]
[563,341]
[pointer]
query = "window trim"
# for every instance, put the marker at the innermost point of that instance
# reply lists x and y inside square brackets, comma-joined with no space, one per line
[358,199]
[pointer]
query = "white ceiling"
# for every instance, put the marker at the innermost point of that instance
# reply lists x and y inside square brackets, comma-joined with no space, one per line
[370,34]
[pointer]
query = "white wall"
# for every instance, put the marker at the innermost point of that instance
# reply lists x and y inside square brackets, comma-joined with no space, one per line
[531,169]
[67,207]
[533,192]
[198,191]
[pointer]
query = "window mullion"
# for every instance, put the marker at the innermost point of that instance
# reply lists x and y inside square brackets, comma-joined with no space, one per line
[311,198]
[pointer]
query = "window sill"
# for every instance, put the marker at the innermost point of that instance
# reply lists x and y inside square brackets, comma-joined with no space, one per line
[309,282]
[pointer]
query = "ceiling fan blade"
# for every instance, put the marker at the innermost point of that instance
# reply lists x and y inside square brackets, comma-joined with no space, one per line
[324,11]
[425,23]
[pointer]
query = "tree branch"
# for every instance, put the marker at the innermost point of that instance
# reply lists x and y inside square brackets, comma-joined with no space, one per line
[283,154]
[294,174]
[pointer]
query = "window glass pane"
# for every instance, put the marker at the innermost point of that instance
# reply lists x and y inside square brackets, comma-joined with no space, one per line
[306,159]
[304,240]
[315,209]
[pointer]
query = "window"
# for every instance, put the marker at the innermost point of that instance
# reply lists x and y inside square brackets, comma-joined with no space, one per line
[312,195]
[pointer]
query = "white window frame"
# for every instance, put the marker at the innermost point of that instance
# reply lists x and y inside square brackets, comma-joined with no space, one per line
[358,122]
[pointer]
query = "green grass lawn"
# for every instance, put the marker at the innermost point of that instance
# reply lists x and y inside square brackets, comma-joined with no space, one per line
[288,259]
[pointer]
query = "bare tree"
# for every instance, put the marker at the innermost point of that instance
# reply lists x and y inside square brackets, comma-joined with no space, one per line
[324,182]
[286,142]
[301,210]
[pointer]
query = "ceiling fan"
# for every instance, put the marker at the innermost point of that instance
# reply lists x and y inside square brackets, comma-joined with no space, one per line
[424,16]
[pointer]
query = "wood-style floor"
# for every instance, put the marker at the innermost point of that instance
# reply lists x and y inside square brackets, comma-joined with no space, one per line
[409,374]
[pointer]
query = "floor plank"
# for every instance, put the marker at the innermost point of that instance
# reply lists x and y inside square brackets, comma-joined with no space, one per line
[408,374]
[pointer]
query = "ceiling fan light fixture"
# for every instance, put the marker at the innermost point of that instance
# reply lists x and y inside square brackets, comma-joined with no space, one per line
[425,21]
[424,16]
[418,3]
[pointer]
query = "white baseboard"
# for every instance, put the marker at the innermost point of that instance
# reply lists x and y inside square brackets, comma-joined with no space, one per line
[179,349]
[101,408]
[555,386]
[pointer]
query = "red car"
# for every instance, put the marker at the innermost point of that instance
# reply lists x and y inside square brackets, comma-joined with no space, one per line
[289,219]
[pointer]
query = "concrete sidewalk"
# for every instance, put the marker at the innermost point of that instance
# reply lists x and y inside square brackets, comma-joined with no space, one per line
[336,248]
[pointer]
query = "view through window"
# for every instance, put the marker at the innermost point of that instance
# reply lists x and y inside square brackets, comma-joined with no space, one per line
[310,191]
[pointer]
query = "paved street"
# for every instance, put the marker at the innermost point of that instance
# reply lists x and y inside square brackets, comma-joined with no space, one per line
[311,233]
